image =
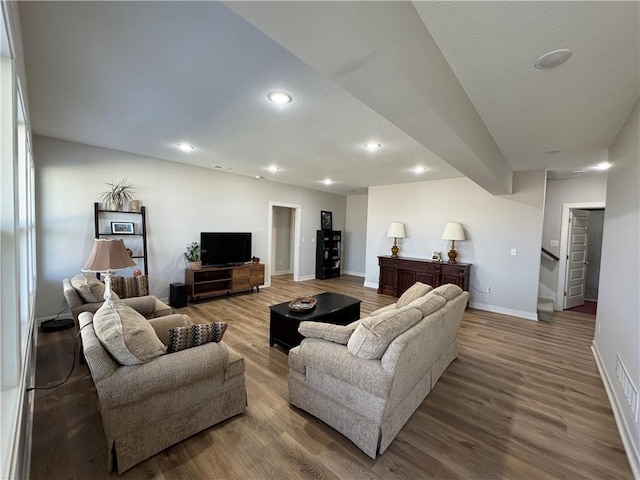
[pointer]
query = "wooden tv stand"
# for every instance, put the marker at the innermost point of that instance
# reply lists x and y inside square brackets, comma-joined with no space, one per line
[210,281]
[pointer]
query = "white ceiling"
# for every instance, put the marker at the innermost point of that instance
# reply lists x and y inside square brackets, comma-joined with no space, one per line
[142,76]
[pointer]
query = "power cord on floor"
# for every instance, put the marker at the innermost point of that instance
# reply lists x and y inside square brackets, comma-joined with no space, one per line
[73,365]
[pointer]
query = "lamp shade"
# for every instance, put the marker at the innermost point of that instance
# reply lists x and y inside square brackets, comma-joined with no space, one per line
[453,231]
[396,230]
[108,254]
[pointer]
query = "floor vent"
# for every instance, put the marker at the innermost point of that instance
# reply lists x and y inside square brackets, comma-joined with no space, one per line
[628,388]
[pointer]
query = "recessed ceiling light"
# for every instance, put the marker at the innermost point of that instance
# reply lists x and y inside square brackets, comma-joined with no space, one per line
[273,168]
[553,59]
[327,181]
[185,147]
[372,146]
[603,166]
[279,97]
[418,170]
[258,177]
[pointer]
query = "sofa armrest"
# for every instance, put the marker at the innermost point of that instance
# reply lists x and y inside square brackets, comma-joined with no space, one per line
[162,325]
[146,306]
[162,309]
[336,361]
[169,372]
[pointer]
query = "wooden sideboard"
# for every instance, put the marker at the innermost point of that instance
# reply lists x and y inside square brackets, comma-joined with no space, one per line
[399,273]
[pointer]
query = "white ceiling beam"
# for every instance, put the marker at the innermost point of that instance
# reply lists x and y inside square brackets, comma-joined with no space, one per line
[382,54]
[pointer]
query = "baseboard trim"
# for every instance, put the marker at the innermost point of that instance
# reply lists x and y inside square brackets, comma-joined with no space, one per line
[39,320]
[355,274]
[630,448]
[371,285]
[504,311]
[307,277]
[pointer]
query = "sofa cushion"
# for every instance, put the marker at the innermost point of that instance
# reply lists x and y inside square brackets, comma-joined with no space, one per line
[181,338]
[90,289]
[384,309]
[428,304]
[127,287]
[448,291]
[126,334]
[414,292]
[374,334]
[326,331]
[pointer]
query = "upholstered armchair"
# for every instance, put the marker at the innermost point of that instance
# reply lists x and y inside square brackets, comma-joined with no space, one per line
[149,406]
[88,297]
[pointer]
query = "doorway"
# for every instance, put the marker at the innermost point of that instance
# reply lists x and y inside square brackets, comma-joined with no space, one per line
[580,250]
[283,241]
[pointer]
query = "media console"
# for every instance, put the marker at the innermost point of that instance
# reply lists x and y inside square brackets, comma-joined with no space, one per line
[210,281]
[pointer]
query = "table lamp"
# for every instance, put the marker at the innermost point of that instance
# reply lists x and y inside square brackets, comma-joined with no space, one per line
[453,231]
[396,230]
[108,255]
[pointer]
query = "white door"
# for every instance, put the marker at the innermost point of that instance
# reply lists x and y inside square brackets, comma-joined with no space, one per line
[576,258]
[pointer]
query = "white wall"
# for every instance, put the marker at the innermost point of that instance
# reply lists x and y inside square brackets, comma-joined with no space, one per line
[181,202]
[586,189]
[618,317]
[493,226]
[355,236]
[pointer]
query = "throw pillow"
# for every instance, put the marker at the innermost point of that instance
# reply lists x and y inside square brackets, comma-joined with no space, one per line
[414,292]
[90,289]
[181,338]
[448,291]
[326,331]
[126,335]
[374,334]
[129,287]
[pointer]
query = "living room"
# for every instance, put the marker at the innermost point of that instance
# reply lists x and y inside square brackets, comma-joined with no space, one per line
[184,200]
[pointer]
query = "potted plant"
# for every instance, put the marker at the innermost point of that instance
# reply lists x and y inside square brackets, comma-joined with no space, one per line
[192,254]
[118,195]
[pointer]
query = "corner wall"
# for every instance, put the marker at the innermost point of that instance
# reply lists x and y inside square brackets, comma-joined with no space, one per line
[355,237]
[618,317]
[493,226]
[181,202]
[587,189]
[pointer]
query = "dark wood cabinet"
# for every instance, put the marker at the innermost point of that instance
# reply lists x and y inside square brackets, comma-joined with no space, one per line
[328,253]
[210,281]
[399,273]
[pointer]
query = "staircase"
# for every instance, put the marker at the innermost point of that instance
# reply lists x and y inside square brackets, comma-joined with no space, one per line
[545,309]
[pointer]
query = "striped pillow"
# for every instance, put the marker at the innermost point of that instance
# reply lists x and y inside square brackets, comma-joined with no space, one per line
[128,287]
[181,338]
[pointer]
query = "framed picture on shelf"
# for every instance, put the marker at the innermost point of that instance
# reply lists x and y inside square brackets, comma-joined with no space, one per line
[122,228]
[326,220]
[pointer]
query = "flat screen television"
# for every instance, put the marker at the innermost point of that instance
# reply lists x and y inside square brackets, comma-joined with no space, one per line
[225,248]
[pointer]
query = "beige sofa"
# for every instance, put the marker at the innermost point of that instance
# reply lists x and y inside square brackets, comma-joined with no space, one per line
[148,305]
[152,405]
[367,378]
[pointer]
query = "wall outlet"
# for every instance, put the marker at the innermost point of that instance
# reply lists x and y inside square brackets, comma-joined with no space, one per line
[554,243]
[489,290]
[514,251]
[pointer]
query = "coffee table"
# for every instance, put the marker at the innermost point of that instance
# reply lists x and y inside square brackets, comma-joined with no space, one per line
[331,308]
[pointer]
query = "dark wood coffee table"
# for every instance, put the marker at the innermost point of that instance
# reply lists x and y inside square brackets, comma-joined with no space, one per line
[331,308]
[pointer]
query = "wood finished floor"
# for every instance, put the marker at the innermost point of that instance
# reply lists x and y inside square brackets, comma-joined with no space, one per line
[524,400]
